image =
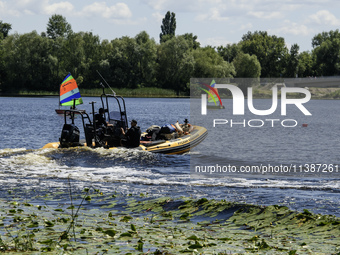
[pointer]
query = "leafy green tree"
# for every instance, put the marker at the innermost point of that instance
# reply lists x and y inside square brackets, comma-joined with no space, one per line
[293,61]
[229,52]
[175,64]
[326,51]
[56,56]
[4,29]
[106,48]
[73,55]
[11,53]
[123,60]
[2,65]
[91,59]
[57,26]
[168,27]
[208,63]
[192,39]
[146,59]
[247,66]
[39,62]
[59,30]
[27,62]
[130,62]
[305,64]
[271,51]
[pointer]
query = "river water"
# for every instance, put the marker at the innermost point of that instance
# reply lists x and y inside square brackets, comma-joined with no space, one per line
[27,124]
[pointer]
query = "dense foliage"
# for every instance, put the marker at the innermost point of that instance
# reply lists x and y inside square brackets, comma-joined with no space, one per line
[35,61]
[168,27]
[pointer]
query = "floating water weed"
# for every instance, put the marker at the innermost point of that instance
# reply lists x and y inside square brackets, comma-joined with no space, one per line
[134,224]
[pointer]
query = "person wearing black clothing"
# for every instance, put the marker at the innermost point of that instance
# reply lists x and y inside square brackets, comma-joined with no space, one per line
[100,120]
[101,128]
[132,136]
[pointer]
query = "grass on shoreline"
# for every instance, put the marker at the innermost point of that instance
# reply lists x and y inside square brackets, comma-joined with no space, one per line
[140,92]
[258,92]
[95,223]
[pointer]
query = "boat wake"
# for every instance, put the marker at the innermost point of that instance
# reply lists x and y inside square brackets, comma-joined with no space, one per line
[133,167]
[134,172]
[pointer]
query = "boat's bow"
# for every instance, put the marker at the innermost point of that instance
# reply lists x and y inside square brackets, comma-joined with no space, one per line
[179,145]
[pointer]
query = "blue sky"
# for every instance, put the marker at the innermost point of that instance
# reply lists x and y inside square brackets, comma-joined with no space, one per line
[215,22]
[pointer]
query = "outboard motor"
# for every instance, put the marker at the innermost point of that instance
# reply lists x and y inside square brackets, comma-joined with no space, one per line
[89,134]
[69,136]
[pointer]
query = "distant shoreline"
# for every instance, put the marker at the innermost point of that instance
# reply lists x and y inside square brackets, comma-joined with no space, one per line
[258,93]
[56,96]
[138,92]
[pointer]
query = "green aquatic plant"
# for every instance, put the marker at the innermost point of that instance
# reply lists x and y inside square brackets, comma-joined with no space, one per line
[21,242]
[123,224]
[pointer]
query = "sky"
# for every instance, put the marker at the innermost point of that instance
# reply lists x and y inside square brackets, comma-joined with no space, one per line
[214,22]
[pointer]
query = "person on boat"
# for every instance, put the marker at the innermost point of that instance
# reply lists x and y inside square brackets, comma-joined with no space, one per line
[100,119]
[102,125]
[131,136]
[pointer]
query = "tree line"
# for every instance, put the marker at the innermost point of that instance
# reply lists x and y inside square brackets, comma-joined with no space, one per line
[35,62]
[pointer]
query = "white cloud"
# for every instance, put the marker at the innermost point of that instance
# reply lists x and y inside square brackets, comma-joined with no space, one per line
[60,8]
[292,28]
[324,17]
[215,41]
[2,7]
[17,8]
[247,26]
[180,5]
[50,7]
[117,11]
[24,3]
[158,16]
[239,9]
[265,15]
[28,12]
[158,5]
[215,14]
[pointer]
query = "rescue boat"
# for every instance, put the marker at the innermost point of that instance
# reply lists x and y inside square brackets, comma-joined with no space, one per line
[178,145]
[177,140]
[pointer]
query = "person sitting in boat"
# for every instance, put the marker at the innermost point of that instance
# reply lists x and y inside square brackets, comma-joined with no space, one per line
[131,136]
[102,125]
[100,119]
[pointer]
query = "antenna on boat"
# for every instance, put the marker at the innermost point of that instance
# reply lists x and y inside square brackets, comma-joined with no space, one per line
[101,84]
[114,93]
